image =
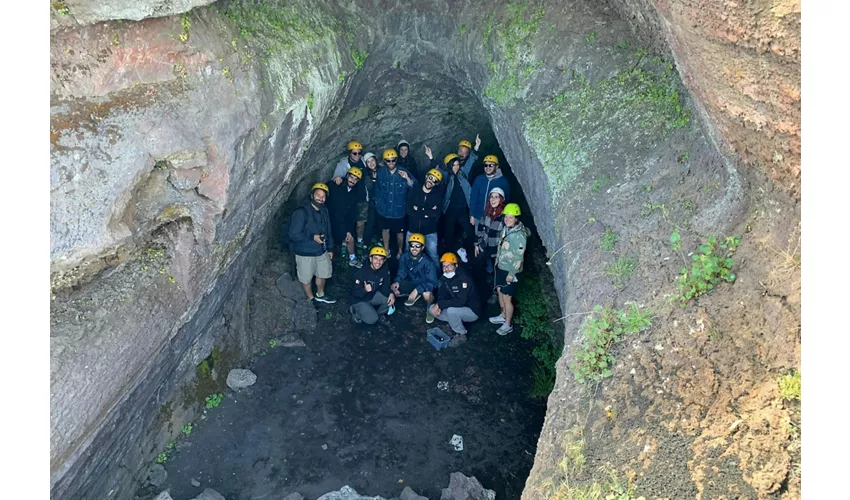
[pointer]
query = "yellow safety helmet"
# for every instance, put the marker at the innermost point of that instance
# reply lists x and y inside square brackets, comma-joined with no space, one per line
[465,143]
[352,145]
[491,159]
[417,238]
[321,186]
[449,158]
[512,209]
[437,174]
[390,153]
[449,257]
[356,172]
[378,251]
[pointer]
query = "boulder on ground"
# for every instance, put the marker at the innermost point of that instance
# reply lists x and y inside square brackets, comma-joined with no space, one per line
[409,494]
[209,494]
[347,493]
[165,495]
[157,476]
[239,378]
[462,487]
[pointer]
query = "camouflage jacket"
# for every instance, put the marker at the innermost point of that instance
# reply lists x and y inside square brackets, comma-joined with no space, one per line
[512,243]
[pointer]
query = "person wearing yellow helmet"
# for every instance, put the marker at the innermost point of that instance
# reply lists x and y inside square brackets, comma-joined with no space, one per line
[371,294]
[355,149]
[312,242]
[391,190]
[417,275]
[423,211]
[482,186]
[342,205]
[457,298]
[509,256]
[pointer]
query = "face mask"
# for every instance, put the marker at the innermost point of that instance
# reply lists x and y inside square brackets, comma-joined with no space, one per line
[449,275]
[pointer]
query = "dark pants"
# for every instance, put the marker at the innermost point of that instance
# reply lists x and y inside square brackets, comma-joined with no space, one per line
[369,230]
[457,218]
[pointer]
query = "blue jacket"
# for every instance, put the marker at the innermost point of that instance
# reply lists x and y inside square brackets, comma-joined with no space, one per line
[421,272]
[481,191]
[391,193]
[307,222]
[462,178]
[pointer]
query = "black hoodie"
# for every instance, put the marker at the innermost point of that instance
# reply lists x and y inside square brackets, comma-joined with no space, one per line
[458,291]
[379,279]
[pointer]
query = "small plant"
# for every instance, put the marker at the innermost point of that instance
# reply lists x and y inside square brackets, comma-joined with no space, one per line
[262,353]
[162,458]
[646,187]
[170,446]
[213,400]
[115,39]
[711,264]
[185,24]
[591,37]
[359,58]
[623,44]
[609,239]
[187,429]
[60,8]
[310,101]
[341,77]
[689,206]
[649,208]
[265,126]
[676,240]
[790,386]
[684,157]
[620,270]
[462,29]
[329,315]
[604,328]
[598,183]
[272,343]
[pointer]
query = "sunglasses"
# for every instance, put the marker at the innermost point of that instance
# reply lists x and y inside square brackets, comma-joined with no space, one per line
[489,165]
[433,179]
[356,153]
[417,245]
[390,161]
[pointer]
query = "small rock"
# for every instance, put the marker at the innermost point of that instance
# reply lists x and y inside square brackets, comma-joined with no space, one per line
[165,495]
[239,378]
[347,493]
[290,288]
[293,496]
[409,494]
[457,442]
[157,475]
[209,494]
[324,447]
[195,482]
[462,487]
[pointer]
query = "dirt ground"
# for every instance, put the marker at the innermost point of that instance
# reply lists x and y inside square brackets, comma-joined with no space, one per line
[360,405]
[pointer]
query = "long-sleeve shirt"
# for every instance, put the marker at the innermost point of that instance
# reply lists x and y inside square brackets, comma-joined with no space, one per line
[481,192]
[422,272]
[423,210]
[512,243]
[305,223]
[380,281]
[391,192]
[458,291]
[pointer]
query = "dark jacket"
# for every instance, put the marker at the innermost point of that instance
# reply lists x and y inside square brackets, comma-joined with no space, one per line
[452,181]
[391,193]
[422,272]
[342,205]
[481,191]
[408,163]
[307,222]
[344,164]
[379,279]
[367,183]
[423,210]
[458,291]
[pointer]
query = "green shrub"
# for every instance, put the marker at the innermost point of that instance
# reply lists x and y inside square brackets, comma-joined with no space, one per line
[602,329]
[712,263]
[213,400]
[609,239]
[620,270]
[187,429]
[162,458]
[532,313]
[790,386]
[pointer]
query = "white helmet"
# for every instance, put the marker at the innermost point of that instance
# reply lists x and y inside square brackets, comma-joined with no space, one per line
[499,191]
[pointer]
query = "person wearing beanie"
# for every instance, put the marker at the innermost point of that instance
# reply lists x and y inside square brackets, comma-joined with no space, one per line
[366,204]
[405,159]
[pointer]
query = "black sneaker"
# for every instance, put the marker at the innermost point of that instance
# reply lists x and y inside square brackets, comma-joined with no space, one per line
[324,298]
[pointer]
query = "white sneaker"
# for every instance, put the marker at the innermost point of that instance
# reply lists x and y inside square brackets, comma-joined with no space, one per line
[462,254]
[505,329]
[497,320]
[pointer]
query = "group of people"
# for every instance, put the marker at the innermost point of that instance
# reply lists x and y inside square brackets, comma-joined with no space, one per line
[365,193]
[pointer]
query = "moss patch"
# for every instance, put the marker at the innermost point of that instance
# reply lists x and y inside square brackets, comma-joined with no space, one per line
[516,63]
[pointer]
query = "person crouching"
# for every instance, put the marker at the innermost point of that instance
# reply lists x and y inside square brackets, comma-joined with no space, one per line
[371,291]
[457,299]
[417,275]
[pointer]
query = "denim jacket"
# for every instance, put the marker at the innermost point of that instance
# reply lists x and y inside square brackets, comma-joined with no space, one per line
[391,193]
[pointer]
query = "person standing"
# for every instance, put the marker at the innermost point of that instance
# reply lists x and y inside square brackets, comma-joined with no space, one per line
[352,160]
[483,185]
[405,159]
[342,205]
[487,233]
[371,289]
[509,256]
[417,275]
[391,188]
[312,240]
[457,298]
[366,203]
[423,211]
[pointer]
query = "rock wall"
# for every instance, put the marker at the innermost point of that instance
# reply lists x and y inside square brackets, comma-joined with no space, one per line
[174,139]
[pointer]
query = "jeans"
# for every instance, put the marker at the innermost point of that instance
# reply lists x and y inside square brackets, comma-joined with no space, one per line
[430,247]
[368,311]
[455,316]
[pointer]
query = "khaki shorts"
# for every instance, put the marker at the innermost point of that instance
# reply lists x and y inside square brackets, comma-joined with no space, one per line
[308,266]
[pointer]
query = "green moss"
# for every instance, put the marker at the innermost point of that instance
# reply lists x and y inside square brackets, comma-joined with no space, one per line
[359,58]
[310,101]
[514,36]
[642,103]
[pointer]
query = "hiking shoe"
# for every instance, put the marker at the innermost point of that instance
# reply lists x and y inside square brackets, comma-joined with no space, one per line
[409,302]
[355,263]
[505,329]
[497,320]
[324,298]
[354,316]
[429,317]
[457,340]
[462,254]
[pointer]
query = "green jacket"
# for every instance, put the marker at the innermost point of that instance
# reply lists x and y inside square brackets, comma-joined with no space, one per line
[512,243]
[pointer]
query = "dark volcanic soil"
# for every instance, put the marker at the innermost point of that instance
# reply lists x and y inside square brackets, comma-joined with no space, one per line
[361,406]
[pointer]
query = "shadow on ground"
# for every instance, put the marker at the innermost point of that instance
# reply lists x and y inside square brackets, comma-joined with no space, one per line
[360,405]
